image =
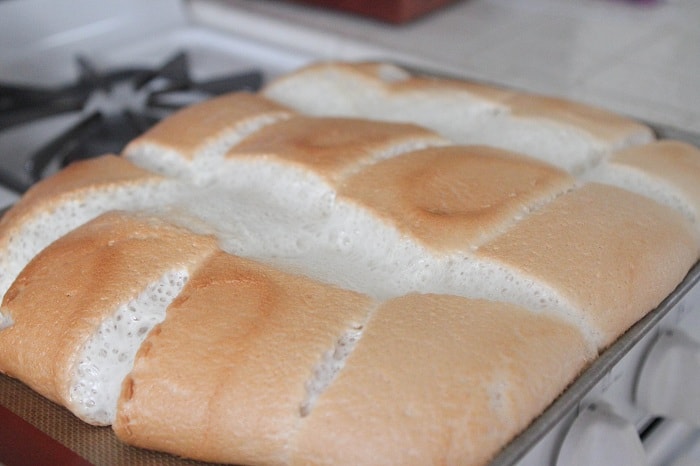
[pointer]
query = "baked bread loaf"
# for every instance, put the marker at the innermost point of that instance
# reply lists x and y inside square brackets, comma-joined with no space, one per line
[355,266]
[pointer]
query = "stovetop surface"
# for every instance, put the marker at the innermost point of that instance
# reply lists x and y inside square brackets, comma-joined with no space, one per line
[59,94]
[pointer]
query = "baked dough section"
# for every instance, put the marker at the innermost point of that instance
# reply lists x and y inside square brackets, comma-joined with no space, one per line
[455,198]
[70,198]
[469,375]
[238,331]
[82,306]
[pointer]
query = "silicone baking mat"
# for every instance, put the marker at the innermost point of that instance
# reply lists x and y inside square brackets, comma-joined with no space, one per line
[34,431]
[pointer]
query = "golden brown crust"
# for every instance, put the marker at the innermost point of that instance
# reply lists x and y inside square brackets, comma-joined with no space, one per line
[606,126]
[78,180]
[677,156]
[398,82]
[60,298]
[372,71]
[439,379]
[613,254]
[433,85]
[394,82]
[190,130]
[673,163]
[332,147]
[223,378]
[453,198]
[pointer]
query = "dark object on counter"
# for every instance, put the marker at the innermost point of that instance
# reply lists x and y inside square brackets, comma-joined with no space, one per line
[390,11]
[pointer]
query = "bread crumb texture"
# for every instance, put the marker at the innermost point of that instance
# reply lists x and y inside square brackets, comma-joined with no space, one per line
[356,265]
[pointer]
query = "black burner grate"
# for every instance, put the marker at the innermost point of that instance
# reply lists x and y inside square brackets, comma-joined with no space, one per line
[112,108]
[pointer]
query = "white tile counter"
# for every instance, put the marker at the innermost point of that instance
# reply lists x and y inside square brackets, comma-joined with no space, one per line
[637,58]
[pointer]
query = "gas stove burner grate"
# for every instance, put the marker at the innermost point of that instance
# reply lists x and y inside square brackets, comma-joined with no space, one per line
[107,110]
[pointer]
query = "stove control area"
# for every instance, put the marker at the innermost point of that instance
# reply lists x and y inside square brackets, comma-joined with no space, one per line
[600,436]
[669,382]
[645,409]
